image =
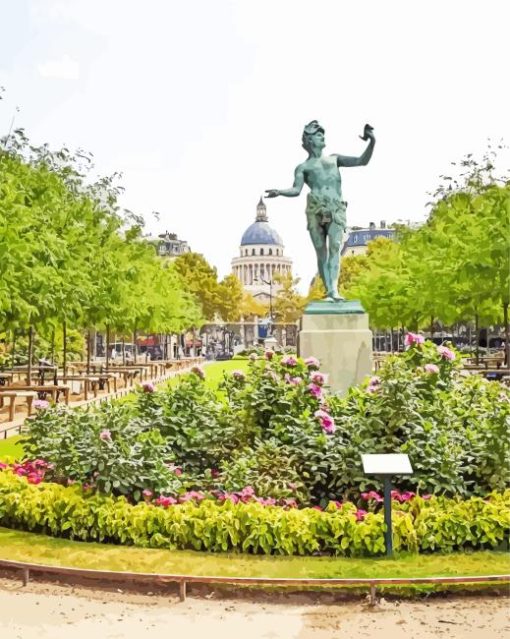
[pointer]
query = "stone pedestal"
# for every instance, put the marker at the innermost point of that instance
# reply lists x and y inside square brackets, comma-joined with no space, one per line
[337,334]
[270,343]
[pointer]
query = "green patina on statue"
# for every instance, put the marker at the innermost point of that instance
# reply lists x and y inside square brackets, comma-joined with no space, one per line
[325,208]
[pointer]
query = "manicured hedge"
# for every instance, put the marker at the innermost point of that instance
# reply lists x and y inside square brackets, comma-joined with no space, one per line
[419,525]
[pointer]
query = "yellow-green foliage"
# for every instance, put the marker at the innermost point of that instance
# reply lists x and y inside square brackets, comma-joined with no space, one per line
[68,512]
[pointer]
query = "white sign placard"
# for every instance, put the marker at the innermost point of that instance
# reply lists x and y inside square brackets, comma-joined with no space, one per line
[390,464]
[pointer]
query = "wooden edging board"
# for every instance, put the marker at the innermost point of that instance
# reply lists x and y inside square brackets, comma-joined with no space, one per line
[182,580]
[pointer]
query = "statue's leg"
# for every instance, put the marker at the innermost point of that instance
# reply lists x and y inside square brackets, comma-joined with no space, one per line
[335,234]
[318,235]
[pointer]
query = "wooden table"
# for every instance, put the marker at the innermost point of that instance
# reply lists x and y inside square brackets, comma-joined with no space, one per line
[6,379]
[52,390]
[13,395]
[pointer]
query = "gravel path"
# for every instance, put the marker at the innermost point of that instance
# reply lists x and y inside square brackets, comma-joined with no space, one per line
[52,611]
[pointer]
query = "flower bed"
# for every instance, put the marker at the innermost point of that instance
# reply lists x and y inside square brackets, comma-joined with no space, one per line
[249,526]
[278,430]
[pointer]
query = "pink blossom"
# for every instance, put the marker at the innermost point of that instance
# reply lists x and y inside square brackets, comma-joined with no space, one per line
[431,368]
[289,360]
[372,496]
[360,514]
[315,390]
[147,387]
[412,339]
[318,378]
[34,478]
[70,481]
[3,466]
[177,471]
[316,508]
[406,496]
[374,380]
[291,486]
[165,501]
[426,497]
[326,421]
[296,381]
[266,501]
[238,375]
[41,404]
[147,493]
[269,355]
[215,473]
[312,362]
[290,503]
[198,371]
[105,436]
[336,504]
[446,353]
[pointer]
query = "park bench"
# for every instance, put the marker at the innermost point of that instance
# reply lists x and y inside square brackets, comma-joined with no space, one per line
[13,395]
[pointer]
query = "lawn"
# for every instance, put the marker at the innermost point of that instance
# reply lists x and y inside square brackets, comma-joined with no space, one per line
[35,548]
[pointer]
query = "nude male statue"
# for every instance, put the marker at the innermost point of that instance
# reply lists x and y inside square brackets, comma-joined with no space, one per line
[325,208]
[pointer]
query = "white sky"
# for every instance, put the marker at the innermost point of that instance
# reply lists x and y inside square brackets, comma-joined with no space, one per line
[201,103]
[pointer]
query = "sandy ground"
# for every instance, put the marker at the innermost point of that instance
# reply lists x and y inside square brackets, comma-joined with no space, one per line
[56,611]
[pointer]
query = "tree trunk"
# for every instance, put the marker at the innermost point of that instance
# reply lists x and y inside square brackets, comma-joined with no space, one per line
[88,351]
[507,334]
[107,347]
[64,347]
[477,338]
[30,349]
[134,345]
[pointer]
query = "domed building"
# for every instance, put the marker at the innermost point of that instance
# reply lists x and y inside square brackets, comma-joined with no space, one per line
[260,257]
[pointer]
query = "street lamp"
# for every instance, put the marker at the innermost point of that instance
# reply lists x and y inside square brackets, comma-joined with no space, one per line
[270,284]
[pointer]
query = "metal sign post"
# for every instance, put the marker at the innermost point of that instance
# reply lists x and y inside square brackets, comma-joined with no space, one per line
[385,466]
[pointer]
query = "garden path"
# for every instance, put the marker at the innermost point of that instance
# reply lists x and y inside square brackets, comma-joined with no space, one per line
[47,610]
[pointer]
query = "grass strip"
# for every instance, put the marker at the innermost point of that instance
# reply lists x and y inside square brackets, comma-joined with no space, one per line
[37,548]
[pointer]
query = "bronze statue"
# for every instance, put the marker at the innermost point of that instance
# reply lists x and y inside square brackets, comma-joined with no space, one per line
[325,208]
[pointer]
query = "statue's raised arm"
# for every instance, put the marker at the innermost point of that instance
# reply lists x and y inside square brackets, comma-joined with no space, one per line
[364,158]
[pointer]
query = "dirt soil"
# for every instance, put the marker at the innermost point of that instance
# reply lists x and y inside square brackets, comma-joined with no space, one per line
[42,610]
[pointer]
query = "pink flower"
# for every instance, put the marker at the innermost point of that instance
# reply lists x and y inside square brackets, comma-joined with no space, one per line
[147,387]
[41,404]
[290,503]
[178,471]
[326,421]
[291,486]
[266,501]
[147,493]
[312,362]
[198,371]
[165,501]
[238,375]
[105,436]
[426,497]
[374,381]
[296,381]
[315,390]
[406,496]
[412,339]
[446,353]
[337,504]
[289,360]
[372,496]
[360,514]
[269,355]
[318,378]
[215,473]
[395,494]
[317,508]
[34,478]
[431,368]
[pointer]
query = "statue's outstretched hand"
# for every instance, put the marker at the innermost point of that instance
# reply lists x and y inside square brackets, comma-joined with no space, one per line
[368,133]
[272,192]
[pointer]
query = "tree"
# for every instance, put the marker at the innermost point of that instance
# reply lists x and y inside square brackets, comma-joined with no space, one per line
[288,304]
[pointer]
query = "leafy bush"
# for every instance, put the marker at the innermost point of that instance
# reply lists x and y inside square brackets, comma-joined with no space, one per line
[435,524]
[279,430]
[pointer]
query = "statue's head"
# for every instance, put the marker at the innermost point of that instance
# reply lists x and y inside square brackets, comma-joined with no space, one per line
[313,135]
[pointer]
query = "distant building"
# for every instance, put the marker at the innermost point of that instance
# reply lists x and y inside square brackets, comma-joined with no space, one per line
[168,245]
[358,238]
[260,257]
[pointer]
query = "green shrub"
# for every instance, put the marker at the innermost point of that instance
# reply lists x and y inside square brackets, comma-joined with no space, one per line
[436,524]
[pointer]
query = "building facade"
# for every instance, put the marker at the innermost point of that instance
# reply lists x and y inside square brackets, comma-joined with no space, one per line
[169,245]
[261,257]
[358,238]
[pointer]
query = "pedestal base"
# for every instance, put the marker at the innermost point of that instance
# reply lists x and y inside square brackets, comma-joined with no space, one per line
[337,334]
